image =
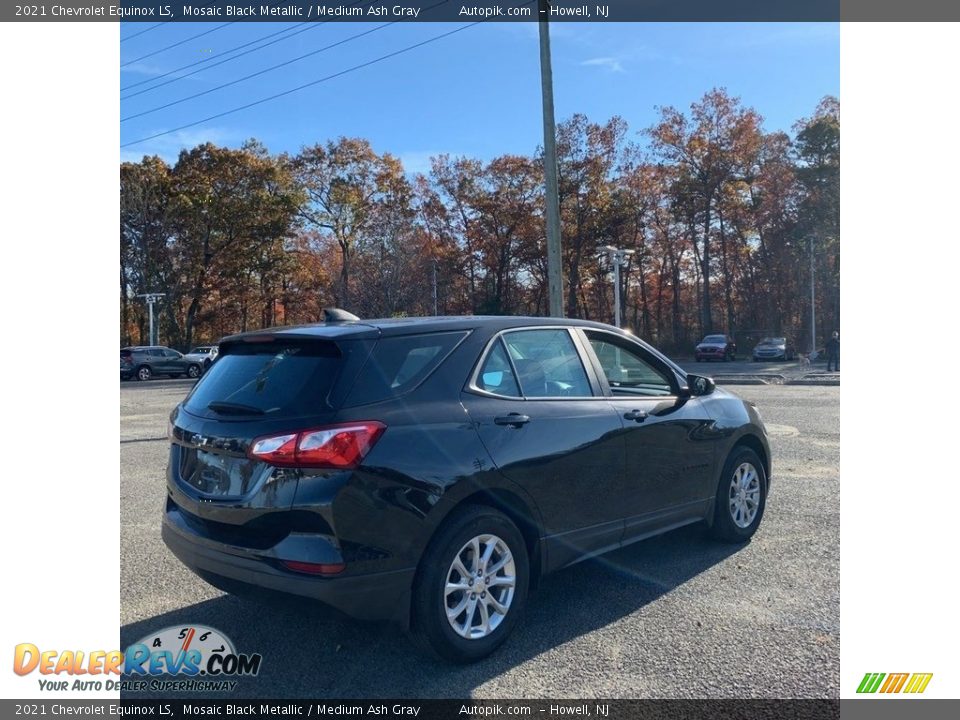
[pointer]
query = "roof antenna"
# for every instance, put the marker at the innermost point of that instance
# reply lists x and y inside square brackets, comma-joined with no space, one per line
[334,315]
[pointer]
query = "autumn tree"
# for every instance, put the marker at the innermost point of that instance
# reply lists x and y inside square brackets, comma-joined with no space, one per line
[348,187]
[232,207]
[710,148]
[817,150]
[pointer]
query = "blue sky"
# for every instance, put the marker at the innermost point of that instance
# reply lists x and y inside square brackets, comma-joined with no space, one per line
[474,93]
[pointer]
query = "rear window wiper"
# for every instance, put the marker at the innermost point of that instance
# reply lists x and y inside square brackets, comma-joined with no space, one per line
[229,408]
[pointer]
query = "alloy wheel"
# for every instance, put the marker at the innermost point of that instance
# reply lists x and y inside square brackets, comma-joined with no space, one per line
[480,587]
[744,496]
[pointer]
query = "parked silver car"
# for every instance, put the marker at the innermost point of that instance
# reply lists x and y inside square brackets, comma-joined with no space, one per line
[202,354]
[774,348]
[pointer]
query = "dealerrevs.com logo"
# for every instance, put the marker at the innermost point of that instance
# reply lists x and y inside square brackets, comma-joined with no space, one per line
[190,659]
[910,683]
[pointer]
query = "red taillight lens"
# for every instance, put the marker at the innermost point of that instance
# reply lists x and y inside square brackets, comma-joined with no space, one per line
[314,568]
[335,446]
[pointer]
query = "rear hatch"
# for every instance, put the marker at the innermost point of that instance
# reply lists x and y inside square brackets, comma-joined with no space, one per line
[260,386]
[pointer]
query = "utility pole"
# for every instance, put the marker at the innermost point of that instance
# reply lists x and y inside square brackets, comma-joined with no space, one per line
[618,258]
[152,298]
[813,303]
[554,276]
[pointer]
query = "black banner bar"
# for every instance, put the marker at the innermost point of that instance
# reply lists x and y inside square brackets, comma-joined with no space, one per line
[467,709]
[153,11]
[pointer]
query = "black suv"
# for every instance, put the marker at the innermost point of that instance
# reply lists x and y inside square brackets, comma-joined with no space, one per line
[143,362]
[430,470]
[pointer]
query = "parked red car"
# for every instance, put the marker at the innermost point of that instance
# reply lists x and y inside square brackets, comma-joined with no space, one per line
[716,347]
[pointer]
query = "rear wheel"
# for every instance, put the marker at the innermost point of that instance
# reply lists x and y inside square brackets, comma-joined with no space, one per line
[472,585]
[741,497]
[144,373]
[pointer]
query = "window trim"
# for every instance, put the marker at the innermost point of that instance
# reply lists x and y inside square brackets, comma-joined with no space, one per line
[585,363]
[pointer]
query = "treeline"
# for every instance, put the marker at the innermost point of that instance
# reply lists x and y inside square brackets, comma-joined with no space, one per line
[721,215]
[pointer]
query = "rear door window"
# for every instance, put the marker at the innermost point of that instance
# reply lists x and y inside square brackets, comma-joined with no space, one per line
[547,363]
[277,379]
[398,364]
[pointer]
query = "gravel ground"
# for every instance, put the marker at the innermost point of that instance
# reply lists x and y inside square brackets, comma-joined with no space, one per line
[673,617]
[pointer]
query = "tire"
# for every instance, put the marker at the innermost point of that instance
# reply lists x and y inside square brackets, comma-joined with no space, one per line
[730,524]
[194,371]
[431,628]
[144,373]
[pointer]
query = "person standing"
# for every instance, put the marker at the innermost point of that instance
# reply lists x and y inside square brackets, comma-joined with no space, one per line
[833,352]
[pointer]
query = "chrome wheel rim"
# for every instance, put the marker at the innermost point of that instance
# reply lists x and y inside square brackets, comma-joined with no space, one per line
[744,496]
[193,371]
[480,587]
[144,374]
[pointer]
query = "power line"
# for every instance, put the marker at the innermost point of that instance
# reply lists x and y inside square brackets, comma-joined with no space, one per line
[136,34]
[176,44]
[306,85]
[269,69]
[203,61]
[259,72]
[206,60]
[154,27]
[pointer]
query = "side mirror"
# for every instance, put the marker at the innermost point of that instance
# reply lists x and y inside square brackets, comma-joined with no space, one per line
[698,385]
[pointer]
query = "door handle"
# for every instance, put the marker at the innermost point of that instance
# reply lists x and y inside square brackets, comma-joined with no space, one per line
[636,415]
[514,419]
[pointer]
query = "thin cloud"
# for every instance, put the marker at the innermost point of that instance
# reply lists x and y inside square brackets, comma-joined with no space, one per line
[610,63]
[418,161]
[168,147]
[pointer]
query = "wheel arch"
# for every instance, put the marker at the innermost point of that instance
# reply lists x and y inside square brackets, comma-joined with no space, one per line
[752,442]
[510,503]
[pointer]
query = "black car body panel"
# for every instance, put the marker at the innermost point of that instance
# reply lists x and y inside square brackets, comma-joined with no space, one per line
[582,475]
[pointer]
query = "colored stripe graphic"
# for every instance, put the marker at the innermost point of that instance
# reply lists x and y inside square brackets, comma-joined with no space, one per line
[870,682]
[918,682]
[894,682]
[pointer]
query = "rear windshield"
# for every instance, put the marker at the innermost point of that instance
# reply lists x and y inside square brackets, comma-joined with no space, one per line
[272,379]
[399,364]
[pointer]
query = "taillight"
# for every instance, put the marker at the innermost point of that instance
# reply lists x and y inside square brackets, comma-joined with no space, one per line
[334,446]
[314,568]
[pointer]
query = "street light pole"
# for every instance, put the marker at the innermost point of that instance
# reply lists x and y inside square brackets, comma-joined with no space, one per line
[554,277]
[618,258]
[435,287]
[813,303]
[152,298]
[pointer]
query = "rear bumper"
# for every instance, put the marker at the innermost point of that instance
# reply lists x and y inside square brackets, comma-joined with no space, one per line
[375,596]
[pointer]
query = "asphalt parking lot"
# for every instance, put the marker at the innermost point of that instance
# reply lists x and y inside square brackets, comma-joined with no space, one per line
[673,617]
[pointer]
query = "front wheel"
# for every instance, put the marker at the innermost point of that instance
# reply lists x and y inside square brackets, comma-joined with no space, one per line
[472,585]
[193,371]
[741,497]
